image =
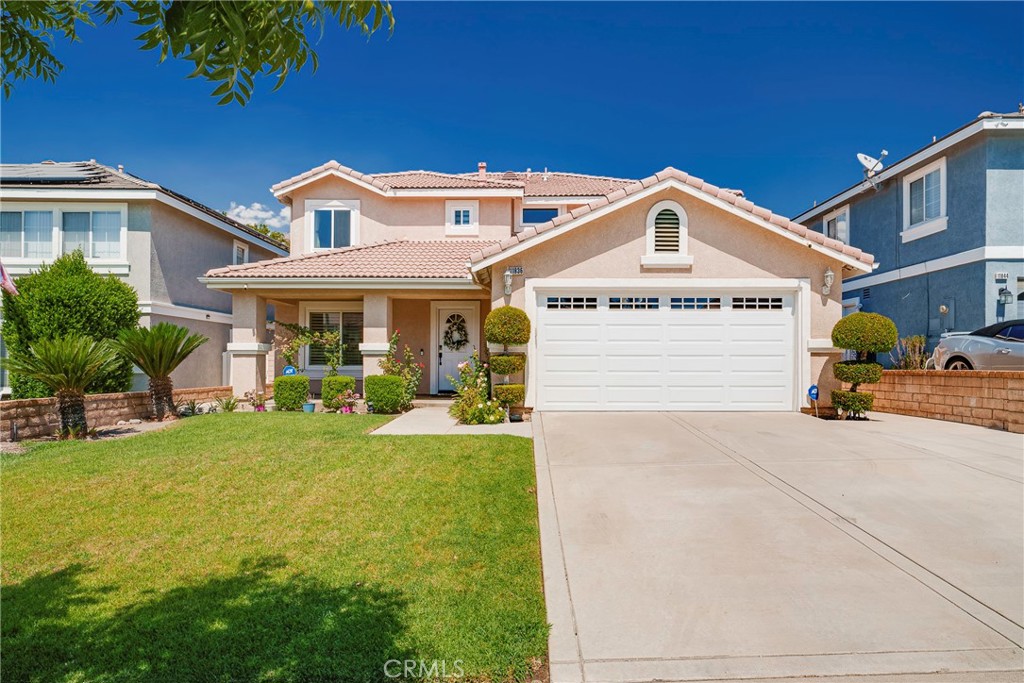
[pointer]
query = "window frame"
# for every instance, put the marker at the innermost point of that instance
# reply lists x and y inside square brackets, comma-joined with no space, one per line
[835,215]
[234,253]
[559,208]
[57,211]
[653,259]
[453,205]
[313,205]
[933,225]
[307,308]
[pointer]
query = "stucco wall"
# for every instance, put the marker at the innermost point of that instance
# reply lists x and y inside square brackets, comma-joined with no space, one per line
[383,218]
[723,246]
[1004,181]
[412,318]
[205,366]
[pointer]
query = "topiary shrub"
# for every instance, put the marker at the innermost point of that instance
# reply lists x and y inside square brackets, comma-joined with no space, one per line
[857,372]
[852,403]
[509,394]
[68,298]
[507,363]
[508,326]
[386,393]
[865,333]
[334,386]
[290,392]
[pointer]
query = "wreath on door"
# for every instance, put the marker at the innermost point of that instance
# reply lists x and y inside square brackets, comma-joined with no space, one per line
[455,334]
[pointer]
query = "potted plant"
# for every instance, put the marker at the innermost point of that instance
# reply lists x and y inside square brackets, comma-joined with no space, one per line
[508,326]
[347,400]
[257,399]
[867,334]
[308,406]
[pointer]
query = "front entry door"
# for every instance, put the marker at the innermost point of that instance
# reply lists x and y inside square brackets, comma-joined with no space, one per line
[457,337]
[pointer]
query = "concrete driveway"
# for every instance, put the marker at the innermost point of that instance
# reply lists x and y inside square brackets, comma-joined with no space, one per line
[711,546]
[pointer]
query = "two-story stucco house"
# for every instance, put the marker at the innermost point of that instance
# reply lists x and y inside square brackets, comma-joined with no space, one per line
[157,240]
[661,293]
[946,227]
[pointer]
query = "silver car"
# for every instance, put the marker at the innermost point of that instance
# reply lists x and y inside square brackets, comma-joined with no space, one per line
[996,347]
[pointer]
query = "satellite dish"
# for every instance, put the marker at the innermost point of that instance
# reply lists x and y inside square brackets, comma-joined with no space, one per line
[871,165]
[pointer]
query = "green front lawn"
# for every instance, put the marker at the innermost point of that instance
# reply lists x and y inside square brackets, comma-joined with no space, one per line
[270,547]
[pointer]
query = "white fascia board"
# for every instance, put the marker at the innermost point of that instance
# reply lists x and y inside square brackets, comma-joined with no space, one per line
[580,199]
[75,194]
[170,310]
[952,261]
[653,189]
[454,192]
[652,283]
[931,150]
[339,283]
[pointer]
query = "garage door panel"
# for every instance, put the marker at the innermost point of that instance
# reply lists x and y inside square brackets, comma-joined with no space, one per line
[667,358]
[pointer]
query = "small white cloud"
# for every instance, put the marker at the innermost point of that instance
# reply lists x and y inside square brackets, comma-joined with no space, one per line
[256,213]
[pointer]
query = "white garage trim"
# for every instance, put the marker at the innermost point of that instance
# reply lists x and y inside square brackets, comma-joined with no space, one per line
[799,287]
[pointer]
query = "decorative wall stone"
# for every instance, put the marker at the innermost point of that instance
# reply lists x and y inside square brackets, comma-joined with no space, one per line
[37,417]
[989,399]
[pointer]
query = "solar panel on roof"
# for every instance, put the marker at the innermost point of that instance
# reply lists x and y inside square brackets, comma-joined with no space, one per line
[47,173]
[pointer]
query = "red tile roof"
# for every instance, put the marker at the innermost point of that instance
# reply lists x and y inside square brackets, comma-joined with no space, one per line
[723,194]
[390,259]
[403,180]
[558,184]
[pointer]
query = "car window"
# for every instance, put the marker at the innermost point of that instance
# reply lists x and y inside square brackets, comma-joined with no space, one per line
[1012,333]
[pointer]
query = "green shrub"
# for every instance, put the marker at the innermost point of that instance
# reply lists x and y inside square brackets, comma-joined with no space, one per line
[507,325]
[857,372]
[472,405]
[509,394]
[910,353]
[865,333]
[507,364]
[404,366]
[852,403]
[290,392]
[386,393]
[68,298]
[334,386]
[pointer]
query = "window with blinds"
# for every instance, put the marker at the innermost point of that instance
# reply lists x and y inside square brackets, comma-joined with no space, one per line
[666,232]
[351,325]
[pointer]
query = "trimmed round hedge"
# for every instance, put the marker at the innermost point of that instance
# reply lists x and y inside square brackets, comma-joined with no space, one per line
[854,403]
[507,363]
[386,393]
[509,394]
[290,392]
[857,372]
[865,333]
[507,325]
[332,387]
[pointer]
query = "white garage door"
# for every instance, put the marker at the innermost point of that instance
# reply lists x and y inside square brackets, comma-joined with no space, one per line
[665,351]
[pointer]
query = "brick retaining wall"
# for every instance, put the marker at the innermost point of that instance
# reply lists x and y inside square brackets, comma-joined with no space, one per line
[37,417]
[990,399]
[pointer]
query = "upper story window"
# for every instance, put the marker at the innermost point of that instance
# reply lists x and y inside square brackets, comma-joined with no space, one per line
[28,232]
[332,224]
[240,254]
[924,201]
[462,217]
[667,237]
[837,225]
[535,216]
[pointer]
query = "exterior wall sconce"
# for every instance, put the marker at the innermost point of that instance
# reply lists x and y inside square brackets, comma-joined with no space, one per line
[1005,296]
[830,279]
[509,272]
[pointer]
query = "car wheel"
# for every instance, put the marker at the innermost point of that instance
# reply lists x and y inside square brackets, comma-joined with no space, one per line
[958,364]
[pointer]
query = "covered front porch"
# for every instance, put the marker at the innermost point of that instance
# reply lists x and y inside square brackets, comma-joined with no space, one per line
[442,328]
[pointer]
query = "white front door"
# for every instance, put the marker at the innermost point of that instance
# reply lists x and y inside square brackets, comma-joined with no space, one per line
[457,335]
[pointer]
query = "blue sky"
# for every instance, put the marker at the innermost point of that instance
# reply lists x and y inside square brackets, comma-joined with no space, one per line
[775,99]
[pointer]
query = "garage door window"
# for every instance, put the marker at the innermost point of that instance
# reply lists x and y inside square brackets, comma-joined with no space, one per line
[757,303]
[632,303]
[572,302]
[696,303]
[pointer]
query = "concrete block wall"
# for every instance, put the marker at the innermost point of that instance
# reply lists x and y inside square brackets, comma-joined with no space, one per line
[37,417]
[989,399]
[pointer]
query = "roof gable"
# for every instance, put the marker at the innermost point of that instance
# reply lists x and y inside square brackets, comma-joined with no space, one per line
[722,198]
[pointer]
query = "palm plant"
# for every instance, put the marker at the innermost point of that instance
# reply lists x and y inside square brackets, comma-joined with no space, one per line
[66,365]
[158,351]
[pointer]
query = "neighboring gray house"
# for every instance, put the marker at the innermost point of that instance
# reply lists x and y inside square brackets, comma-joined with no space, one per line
[946,228]
[157,240]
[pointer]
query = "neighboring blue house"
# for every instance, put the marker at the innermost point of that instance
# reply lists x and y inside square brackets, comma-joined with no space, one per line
[946,227]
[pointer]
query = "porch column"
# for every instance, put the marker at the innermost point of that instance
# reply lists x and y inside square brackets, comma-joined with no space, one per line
[376,331]
[248,347]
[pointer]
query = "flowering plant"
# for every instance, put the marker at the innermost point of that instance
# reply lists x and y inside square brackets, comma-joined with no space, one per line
[405,366]
[473,405]
[348,398]
[257,399]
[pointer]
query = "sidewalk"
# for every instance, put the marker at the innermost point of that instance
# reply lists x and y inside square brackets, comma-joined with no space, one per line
[434,419]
